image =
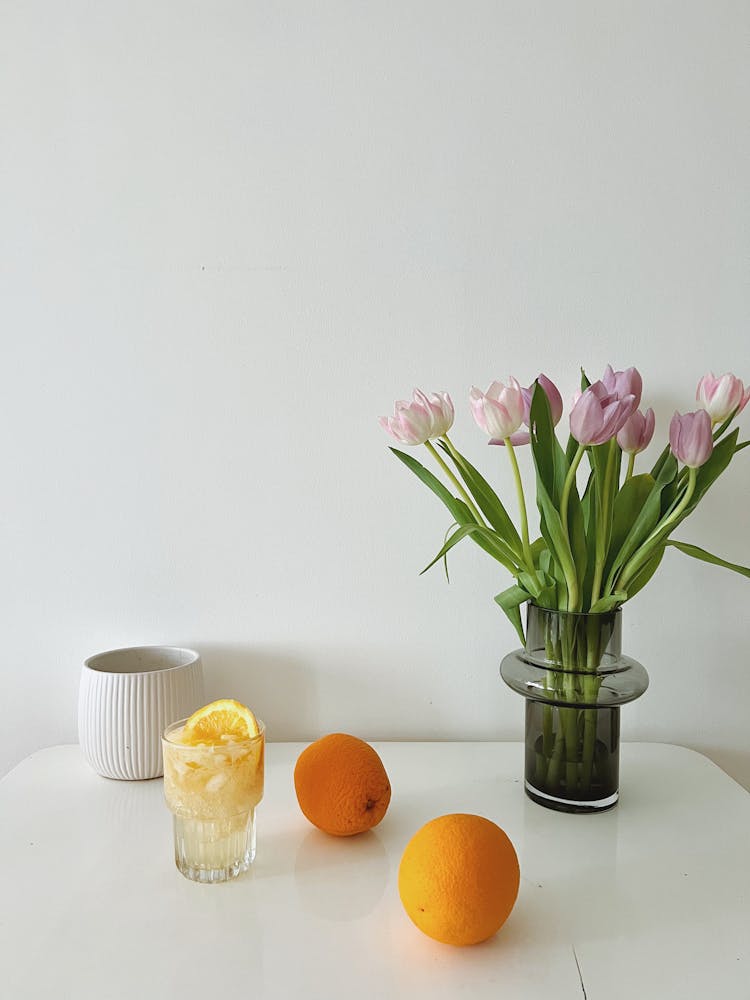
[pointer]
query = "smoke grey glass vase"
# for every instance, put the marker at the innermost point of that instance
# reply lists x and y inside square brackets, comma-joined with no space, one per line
[574,678]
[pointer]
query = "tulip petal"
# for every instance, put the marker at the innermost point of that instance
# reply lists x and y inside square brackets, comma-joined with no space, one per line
[722,396]
[518,439]
[690,438]
[499,411]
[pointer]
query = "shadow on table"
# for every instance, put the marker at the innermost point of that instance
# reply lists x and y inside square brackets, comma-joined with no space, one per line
[341,878]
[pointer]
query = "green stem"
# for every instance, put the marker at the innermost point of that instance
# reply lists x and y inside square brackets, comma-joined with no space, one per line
[567,751]
[589,747]
[631,466]
[596,586]
[449,473]
[569,723]
[547,730]
[528,558]
[658,534]
[591,685]
[602,541]
[553,771]
[570,577]
[567,486]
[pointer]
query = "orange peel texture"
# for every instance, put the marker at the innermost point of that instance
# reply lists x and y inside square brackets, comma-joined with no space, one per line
[458,878]
[341,785]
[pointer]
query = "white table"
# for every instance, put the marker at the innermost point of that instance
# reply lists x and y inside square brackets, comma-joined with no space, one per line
[649,900]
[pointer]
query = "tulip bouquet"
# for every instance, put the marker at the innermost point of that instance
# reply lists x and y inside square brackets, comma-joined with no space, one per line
[597,546]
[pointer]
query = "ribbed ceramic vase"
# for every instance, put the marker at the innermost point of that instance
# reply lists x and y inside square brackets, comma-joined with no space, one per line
[127,698]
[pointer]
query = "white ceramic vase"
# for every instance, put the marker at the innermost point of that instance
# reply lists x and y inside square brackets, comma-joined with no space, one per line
[127,698]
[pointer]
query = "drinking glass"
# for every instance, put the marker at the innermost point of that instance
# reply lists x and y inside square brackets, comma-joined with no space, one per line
[212,791]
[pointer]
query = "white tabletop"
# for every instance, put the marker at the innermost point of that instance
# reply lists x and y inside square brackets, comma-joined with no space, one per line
[649,900]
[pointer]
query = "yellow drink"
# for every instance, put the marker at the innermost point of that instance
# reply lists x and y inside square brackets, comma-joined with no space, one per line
[212,790]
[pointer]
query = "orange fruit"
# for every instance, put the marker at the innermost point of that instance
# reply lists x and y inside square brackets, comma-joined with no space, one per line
[223,721]
[458,878]
[341,785]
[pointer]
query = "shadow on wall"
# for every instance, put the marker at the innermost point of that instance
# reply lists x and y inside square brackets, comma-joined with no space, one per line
[278,688]
[736,763]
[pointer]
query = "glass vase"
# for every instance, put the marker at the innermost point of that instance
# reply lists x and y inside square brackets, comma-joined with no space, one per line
[574,678]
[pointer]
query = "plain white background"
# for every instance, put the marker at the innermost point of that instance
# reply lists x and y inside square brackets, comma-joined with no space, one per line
[233,233]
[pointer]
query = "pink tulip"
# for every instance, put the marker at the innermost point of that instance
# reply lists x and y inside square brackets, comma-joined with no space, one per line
[598,414]
[424,418]
[499,411]
[636,433]
[622,384]
[555,405]
[720,397]
[553,395]
[441,410]
[690,438]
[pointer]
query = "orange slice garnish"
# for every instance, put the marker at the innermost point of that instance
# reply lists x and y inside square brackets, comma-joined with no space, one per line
[221,722]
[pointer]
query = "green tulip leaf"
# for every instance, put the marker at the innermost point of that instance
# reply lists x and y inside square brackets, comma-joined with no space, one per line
[551,469]
[644,523]
[445,557]
[667,471]
[708,474]
[604,457]
[608,603]
[510,601]
[646,571]
[723,426]
[628,504]
[541,588]
[659,464]
[487,500]
[698,553]
[554,535]
[538,546]
[588,502]
[577,535]
[452,540]
[589,507]
[549,458]
[457,507]
[493,544]
[551,567]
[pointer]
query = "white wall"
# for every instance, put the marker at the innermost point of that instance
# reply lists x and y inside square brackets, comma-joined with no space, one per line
[234,232]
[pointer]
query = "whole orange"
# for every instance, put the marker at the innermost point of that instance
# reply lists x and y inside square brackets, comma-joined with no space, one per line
[458,878]
[341,785]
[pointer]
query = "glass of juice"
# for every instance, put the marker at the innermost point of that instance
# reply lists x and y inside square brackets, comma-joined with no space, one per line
[212,789]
